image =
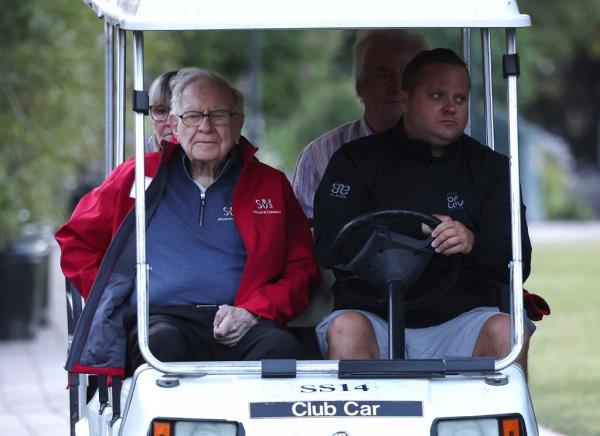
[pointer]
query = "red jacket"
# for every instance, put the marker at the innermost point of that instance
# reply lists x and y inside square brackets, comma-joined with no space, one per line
[280,271]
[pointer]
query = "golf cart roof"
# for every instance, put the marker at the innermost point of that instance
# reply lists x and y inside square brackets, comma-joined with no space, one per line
[306,14]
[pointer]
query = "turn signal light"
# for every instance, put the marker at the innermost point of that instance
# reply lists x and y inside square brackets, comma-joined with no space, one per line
[161,428]
[510,426]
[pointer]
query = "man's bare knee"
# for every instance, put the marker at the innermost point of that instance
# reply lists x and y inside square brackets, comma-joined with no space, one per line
[349,321]
[494,337]
[350,335]
[495,340]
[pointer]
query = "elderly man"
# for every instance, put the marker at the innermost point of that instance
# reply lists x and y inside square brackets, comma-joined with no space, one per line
[420,164]
[379,60]
[229,248]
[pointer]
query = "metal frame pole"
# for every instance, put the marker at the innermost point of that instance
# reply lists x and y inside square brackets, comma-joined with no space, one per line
[121,39]
[109,100]
[488,108]
[465,36]
[516,266]
[140,208]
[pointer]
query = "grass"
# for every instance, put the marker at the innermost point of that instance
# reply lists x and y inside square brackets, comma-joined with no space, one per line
[564,356]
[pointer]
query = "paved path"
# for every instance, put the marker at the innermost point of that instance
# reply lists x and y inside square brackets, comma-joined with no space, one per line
[33,398]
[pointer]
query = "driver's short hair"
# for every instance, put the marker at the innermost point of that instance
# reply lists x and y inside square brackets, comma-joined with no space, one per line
[413,76]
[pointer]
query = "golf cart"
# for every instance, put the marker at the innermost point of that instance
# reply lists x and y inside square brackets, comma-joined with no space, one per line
[468,396]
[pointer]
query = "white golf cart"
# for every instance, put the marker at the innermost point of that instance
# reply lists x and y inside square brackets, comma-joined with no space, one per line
[310,397]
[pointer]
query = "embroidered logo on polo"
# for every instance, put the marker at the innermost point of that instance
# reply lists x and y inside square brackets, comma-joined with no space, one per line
[227,214]
[455,201]
[339,190]
[264,206]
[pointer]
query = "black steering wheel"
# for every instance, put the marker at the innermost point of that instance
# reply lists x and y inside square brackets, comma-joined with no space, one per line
[387,255]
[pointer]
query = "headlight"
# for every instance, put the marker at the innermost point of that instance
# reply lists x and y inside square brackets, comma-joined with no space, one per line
[494,426]
[167,427]
[468,427]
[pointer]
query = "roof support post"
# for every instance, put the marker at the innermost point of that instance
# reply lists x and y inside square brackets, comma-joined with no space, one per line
[488,106]
[120,45]
[140,207]
[465,37]
[516,266]
[109,100]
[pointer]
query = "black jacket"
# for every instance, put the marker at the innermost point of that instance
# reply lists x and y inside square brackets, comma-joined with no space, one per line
[470,183]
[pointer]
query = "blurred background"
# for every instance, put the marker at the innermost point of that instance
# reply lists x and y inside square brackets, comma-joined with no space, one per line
[298,85]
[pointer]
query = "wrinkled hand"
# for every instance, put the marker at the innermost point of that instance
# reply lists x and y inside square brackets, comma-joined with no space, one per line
[450,236]
[231,324]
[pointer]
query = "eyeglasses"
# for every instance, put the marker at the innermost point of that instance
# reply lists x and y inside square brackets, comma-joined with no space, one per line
[216,118]
[159,113]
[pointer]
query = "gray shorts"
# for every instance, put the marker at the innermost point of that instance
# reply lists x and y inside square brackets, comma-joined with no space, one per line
[454,338]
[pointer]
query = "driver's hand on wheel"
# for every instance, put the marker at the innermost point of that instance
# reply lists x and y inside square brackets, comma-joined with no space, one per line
[231,324]
[450,236]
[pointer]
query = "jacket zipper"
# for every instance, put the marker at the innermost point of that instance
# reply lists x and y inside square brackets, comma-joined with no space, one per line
[203,194]
[202,203]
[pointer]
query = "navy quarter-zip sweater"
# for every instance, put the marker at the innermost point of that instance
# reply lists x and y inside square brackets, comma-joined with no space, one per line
[194,249]
[469,183]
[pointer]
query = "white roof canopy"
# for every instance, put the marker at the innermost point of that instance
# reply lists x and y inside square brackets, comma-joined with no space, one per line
[307,14]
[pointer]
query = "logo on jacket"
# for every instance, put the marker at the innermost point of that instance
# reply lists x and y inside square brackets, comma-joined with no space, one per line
[264,206]
[339,190]
[455,201]
[227,214]
[264,203]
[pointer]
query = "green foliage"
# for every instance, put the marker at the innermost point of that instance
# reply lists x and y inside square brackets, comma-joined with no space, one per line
[559,202]
[9,223]
[563,355]
[559,30]
[321,109]
[557,27]
[51,105]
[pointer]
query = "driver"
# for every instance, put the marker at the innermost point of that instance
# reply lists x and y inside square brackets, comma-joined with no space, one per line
[427,164]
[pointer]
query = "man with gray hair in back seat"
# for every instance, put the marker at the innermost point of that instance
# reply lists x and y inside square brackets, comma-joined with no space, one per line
[379,60]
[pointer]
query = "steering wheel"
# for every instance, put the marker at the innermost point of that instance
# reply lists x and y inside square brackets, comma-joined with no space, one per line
[387,255]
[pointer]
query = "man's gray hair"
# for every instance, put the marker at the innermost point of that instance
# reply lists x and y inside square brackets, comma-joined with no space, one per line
[366,38]
[189,75]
